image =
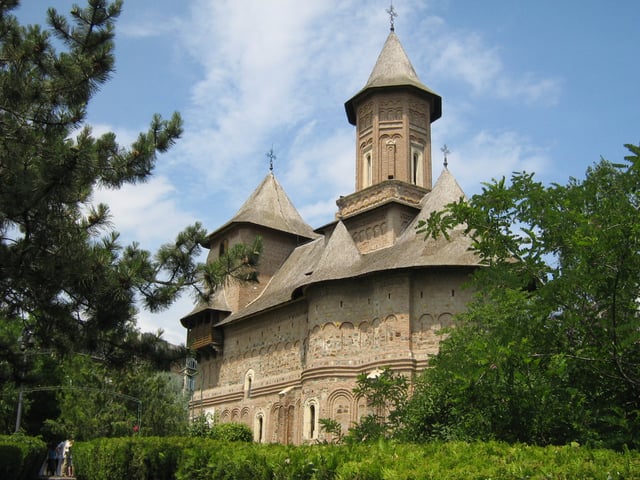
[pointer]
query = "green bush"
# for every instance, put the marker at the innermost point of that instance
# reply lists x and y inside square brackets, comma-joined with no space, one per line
[20,456]
[231,432]
[184,458]
[134,458]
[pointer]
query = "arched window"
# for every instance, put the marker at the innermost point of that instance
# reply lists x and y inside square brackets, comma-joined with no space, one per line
[310,420]
[248,383]
[367,169]
[259,428]
[417,169]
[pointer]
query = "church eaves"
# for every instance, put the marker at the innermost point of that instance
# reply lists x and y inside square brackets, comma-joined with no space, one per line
[394,69]
[269,206]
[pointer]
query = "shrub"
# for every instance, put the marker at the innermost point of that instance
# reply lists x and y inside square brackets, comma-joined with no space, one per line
[183,458]
[21,456]
[231,432]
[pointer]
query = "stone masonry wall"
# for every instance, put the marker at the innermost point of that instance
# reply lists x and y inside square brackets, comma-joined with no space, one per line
[303,359]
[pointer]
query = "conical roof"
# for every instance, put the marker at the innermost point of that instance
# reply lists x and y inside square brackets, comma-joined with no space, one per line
[338,257]
[269,206]
[445,191]
[394,69]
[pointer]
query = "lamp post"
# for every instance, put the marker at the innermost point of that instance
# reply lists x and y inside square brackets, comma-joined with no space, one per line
[26,342]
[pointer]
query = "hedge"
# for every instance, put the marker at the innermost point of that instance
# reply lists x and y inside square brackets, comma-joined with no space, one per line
[21,457]
[179,458]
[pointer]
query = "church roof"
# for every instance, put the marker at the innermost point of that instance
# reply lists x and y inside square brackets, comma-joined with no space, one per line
[394,69]
[337,257]
[283,285]
[269,206]
[339,254]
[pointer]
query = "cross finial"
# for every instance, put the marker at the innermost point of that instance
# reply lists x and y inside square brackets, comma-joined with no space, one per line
[271,156]
[392,15]
[445,150]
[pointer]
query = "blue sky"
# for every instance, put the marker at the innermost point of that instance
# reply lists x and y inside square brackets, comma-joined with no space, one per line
[542,86]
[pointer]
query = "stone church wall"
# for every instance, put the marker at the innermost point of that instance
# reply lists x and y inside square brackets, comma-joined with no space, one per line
[282,371]
[276,247]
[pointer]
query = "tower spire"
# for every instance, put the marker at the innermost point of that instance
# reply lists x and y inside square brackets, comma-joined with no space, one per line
[271,156]
[445,150]
[392,15]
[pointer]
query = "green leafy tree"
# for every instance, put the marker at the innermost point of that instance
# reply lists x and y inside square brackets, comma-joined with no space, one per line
[95,400]
[549,351]
[385,393]
[66,280]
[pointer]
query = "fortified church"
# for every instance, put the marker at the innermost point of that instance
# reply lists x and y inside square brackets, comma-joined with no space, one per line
[359,294]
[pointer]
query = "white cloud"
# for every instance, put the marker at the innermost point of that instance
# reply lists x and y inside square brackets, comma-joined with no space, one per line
[467,58]
[146,212]
[148,27]
[263,74]
[493,155]
[319,213]
[167,320]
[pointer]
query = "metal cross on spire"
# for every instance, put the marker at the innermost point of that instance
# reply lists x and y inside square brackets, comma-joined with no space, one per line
[445,150]
[392,15]
[271,156]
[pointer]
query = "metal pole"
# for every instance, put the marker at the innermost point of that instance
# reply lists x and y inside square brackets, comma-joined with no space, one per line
[19,413]
[25,341]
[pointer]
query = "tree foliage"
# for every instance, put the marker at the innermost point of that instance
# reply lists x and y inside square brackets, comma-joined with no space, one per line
[549,350]
[64,273]
[97,401]
[385,393]
[66,280]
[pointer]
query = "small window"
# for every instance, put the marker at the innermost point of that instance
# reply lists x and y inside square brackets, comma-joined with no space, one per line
[190,384]
[259,433]
[224,246]
[417,169]
[248,383]
[310,420]
[367,169]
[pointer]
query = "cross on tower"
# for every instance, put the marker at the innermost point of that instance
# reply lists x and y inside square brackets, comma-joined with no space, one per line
[445,150]
[271,156]
[392,15]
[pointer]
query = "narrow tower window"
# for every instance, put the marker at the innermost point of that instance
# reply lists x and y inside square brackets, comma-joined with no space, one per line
[417,172]
[367,170]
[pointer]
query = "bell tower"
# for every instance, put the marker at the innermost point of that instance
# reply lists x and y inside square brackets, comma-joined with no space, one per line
[393,115]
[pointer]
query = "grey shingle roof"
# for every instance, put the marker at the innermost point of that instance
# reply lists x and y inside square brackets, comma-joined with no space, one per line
[337,257]
[394,69]
[269,206]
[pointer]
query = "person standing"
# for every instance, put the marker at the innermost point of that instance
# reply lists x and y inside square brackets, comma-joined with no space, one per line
[67,462]
[59,457]
[52,458]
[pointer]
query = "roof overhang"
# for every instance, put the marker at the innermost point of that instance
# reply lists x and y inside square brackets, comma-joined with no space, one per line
[433,98]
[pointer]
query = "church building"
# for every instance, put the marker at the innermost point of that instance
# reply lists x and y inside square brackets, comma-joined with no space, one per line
[360,294]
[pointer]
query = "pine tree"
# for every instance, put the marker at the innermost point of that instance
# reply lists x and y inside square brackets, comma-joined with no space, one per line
[64,275]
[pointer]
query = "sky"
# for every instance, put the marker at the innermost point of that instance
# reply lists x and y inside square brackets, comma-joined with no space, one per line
[547,87]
